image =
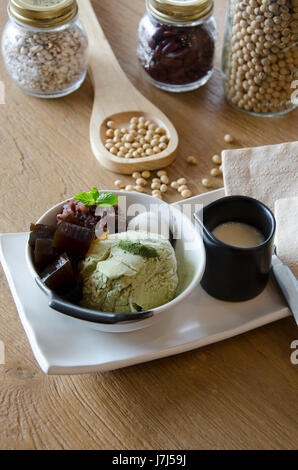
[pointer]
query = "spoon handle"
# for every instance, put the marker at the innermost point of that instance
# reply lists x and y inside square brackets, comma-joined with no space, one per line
[200,222]
[288,284]
[109,80]
[115,98]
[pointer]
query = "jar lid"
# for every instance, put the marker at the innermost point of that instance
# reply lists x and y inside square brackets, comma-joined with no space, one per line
[181,11]
[43,13]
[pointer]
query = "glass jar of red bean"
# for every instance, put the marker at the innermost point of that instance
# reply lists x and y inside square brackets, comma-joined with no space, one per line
[260,56]
[176,43]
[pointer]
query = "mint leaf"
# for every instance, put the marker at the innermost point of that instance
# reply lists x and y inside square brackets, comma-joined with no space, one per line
[95,193]
[85,198]
[106,200]
[94,198]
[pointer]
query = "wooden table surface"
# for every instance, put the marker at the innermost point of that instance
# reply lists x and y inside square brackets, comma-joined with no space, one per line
[237,394]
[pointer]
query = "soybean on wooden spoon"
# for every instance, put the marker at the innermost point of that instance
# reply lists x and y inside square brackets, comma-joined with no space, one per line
[116,99]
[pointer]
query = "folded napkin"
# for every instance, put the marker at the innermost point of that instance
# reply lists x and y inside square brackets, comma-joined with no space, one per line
[266,173]
[286,240]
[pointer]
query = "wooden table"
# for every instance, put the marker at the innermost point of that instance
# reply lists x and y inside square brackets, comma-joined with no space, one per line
[237,394]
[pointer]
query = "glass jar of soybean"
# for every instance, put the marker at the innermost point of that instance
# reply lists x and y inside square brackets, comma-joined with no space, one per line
[45,47]
[176,43]
[260,56]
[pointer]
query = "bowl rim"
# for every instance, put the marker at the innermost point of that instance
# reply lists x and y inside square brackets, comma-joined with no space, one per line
[81,313]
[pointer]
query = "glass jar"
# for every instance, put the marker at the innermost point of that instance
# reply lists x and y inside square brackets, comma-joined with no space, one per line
[260,56]
[176,43]
[45,47]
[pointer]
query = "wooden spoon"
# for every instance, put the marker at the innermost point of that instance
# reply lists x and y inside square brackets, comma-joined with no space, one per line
[116,99]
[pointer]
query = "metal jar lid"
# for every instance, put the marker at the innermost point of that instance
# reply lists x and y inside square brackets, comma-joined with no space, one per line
[181,11]
[43,13]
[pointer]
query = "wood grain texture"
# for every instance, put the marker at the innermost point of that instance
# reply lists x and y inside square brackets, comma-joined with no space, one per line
[237,394]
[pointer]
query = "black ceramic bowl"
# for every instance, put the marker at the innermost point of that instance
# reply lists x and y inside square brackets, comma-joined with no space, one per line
[237,274]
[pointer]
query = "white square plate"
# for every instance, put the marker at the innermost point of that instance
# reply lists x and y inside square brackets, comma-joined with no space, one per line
[62,346]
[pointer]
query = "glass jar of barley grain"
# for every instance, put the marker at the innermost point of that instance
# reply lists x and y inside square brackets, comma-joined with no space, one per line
[44,47]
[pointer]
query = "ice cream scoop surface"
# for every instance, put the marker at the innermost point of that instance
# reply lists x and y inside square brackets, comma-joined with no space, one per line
[129,272]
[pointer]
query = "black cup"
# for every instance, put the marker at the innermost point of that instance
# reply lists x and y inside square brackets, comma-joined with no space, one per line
[237,274]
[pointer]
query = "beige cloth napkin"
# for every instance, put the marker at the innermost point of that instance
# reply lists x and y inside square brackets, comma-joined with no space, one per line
[266,173]
[269,174]
[286,240]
